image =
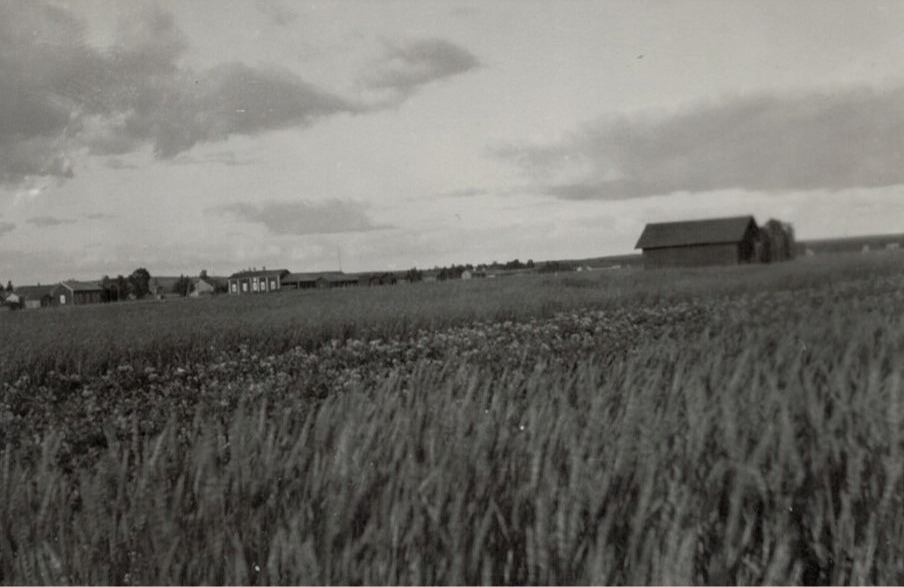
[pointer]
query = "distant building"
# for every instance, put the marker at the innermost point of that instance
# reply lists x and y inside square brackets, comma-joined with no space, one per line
[10,300]
[35,296]
[202,286]
[77,293]
[257,281]
[852,244]
[693,243]
[321,279]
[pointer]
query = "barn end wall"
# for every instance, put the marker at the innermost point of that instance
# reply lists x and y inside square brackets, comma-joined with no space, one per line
[692,256]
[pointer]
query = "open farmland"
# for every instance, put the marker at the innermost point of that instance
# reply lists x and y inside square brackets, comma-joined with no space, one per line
[731,425]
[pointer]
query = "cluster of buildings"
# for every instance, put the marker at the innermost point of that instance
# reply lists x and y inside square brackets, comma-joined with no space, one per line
[65,293]
[77,293]
[693,243]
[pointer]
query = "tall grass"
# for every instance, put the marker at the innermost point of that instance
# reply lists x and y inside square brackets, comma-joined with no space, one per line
[702,464]
[763,445]
[90,339]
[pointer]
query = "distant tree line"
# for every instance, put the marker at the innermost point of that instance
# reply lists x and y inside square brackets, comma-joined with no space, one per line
[134,287]
[555,267]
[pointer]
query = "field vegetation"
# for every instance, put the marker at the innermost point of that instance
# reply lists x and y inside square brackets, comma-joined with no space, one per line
[727,425]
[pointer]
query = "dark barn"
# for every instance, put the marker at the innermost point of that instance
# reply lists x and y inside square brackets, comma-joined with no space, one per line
[695,243]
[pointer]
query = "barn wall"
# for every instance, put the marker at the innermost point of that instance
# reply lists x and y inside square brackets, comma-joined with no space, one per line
[87,297]
[692,256]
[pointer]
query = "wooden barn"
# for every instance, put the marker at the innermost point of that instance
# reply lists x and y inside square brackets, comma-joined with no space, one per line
[321,279]
[77,293]
[696,243]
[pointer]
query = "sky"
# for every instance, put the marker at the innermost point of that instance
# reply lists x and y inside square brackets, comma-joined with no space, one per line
[221,135]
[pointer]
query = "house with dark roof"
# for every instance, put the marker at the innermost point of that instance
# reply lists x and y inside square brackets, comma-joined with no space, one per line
[257,281]
[35,296]
[695,243]
[77,293]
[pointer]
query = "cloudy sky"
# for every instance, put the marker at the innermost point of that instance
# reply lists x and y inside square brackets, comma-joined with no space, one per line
[222,135]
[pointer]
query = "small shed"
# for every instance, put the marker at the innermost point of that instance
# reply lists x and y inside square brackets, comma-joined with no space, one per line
[695,243]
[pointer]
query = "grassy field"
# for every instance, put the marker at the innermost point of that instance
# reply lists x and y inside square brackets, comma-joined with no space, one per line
[729,425]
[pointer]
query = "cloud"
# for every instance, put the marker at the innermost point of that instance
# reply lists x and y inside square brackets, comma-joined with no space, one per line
[302,218]
[464,193]
[278,13]
[99,216]
[58,95]
[773,143]
[116,163]
[404,68]
[227,158]
[46,221]
[6,227]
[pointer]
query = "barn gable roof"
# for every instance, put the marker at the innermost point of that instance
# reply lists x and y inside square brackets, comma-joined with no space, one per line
[75,286]
[34,292]
[695,232]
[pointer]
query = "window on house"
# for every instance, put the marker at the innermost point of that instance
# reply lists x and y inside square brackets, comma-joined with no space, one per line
[244,286]
[62,299]
[234,287]
[272,284]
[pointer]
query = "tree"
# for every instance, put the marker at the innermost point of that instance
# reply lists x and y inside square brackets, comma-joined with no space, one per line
[182,286]
[122,288]
[9,285]
[109,287]
[778,241]
[140,283]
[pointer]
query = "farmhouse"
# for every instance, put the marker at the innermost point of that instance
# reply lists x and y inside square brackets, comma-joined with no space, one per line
[206,286]
[694,243]
[257,281]
[35,296]
[77,293]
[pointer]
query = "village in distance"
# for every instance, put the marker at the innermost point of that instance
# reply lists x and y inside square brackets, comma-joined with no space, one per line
[692,243]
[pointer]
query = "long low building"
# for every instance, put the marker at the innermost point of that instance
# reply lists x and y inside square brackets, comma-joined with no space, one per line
[321,279]
[257,281]
[269,280]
